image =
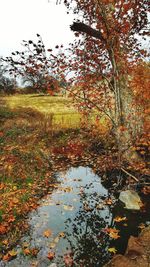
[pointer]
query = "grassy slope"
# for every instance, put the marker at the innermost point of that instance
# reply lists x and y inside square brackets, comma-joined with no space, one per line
[59,110]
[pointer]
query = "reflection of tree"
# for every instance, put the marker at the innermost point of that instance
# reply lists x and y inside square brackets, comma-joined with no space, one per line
[87,240]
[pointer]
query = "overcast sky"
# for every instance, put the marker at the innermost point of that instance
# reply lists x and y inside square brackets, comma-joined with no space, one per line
[22,19]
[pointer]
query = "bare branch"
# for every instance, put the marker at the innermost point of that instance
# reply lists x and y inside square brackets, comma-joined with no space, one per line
[81,27]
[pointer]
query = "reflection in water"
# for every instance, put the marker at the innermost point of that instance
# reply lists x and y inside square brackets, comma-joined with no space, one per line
[77,215]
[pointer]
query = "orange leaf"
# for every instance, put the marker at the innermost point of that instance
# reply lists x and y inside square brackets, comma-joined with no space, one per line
[27,251]
[11,219]
[51,255]
[120,219]
[6,257]
[47,233]
[3,230]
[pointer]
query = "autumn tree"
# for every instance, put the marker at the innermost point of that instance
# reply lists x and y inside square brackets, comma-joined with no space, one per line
[34,66]
[104,58]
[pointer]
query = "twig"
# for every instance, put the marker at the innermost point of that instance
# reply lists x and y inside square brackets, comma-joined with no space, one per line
[130,175]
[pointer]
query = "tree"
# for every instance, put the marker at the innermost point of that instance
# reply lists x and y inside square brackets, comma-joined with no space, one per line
[7,85]
[104,58]
[34,66]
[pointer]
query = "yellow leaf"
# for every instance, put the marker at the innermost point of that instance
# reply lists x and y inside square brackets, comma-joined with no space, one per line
[56,240]
[70,208]
[5,242]
[52,245]
[12,253]
[120,219]
[114,235]
[112,250]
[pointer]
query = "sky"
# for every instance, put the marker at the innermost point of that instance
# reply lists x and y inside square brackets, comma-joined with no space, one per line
[23,19]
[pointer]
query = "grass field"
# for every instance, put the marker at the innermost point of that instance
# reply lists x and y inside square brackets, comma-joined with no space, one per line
[58,111]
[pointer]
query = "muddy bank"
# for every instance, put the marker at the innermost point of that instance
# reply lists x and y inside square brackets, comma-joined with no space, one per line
[137,253]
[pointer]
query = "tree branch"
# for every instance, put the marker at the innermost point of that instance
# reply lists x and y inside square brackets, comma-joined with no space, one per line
[81,27]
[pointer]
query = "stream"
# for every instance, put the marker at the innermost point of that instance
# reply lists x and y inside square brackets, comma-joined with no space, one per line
[71,223]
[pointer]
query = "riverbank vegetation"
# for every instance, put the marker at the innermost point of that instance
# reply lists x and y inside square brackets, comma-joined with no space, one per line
[98,116]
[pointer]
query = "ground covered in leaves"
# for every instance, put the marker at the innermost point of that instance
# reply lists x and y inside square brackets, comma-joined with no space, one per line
[29,156]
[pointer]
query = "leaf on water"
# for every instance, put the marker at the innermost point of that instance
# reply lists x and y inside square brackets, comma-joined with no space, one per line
[68,260]
[112,232]
[112,250]
[119,219]
[26,251]
[56,240]
[52,245]
[47,233]
[6,257]
[99,206]
[61,234]
[68,207]
[114,235]
[12,253]
[25,245]
[34,251]
[50,255]
[108,201]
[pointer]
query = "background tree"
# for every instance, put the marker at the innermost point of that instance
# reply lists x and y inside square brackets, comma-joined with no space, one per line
[7,85]
[35,67]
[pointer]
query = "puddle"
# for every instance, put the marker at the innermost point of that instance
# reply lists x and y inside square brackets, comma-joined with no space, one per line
[72,220]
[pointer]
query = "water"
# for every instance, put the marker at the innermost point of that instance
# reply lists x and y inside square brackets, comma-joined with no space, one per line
[75,217]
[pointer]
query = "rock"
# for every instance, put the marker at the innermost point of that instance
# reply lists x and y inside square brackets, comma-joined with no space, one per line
[131,200]
[137,253]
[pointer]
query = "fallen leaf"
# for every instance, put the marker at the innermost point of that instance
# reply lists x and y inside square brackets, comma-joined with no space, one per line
[70,208]
[52,245]
[108,201]
[6,257]
[112,232]
[61,234]
[119,219]
[26,251]
[50,255]
[34,251]
[12,253]
[3,230]
[141,226]
[5,242]
[114,235]
[2,185]
[47,233]
[112,250]
[56,240]
[25,245]
[11,219]
[68,260]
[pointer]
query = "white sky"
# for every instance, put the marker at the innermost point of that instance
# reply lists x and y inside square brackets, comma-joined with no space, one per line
[23,19]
